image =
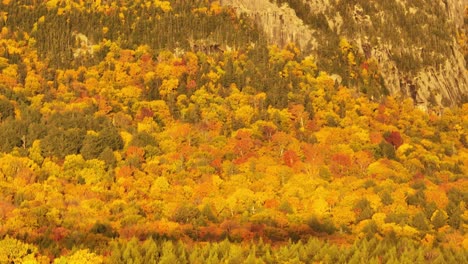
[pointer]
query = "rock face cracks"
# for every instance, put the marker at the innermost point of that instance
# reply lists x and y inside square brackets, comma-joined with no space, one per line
[440,77]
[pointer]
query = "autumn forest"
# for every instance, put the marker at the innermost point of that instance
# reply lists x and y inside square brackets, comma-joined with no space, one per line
[172,132]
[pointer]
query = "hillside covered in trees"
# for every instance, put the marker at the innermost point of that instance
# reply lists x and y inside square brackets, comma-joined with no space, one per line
[171,132]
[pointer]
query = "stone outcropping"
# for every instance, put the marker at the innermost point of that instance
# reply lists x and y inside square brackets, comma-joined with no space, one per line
[444,83]
[455,9]
[280,23]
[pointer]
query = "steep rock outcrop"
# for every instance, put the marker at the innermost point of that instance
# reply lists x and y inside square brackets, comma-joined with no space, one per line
[441,84]
[280,23]
[445,85]
[455,9]
[414,42]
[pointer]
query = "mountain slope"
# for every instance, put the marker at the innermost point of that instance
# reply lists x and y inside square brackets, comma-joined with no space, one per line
[138,131]
[414,44]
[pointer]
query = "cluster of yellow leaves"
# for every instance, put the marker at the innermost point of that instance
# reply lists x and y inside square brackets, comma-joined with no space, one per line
[80,257]
[163,5]
[15,251]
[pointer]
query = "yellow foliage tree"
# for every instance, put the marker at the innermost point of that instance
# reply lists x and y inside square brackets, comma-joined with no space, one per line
[15,251]
[83,256]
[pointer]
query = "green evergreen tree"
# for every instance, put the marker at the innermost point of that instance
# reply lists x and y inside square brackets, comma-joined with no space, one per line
[6,109]
[150,252]
[439,219]
[131,253]
[168,255]
[420,222]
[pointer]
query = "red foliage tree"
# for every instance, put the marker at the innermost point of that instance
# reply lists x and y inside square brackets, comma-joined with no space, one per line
[340,164]
[290,158]
[394,138]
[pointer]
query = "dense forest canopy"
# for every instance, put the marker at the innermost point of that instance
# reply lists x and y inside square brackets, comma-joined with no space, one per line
[171,132]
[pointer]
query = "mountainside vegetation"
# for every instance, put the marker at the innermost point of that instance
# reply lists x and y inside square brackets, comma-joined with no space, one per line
[406,25]
[172,132]
[418,47]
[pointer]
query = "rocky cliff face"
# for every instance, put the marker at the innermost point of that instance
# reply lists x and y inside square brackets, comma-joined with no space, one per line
[455,10]
[447,84]
[414,42]
[280,23]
